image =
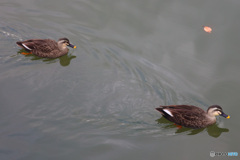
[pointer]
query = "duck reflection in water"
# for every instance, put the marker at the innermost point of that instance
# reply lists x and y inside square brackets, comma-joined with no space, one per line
[213,130]
[63,60]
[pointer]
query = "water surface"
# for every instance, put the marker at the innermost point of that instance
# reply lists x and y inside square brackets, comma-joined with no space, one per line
[98,102]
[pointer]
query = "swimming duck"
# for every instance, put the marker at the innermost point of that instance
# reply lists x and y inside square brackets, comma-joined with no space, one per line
[191,116]
[46,47]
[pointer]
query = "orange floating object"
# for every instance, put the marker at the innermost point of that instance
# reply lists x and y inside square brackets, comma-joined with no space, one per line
[207,29]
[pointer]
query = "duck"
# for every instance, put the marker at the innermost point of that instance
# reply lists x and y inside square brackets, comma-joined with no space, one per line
[191,116]
[46,48]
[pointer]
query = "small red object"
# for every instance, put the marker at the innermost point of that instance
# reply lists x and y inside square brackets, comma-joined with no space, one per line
[207,29]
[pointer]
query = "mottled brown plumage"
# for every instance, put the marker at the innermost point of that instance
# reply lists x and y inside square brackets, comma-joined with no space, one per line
[46,47]
[191,116]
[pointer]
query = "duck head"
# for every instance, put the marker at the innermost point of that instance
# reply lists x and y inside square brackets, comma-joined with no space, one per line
[216,110]
[64,42]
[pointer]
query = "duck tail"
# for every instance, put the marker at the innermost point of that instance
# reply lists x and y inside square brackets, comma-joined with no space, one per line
[24,45]
[164,111]
[19,43]
[160,109]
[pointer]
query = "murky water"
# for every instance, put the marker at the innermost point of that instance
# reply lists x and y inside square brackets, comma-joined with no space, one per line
[98,102]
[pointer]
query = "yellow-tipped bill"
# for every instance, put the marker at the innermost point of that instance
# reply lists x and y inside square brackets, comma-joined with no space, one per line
[70,45]
[225,115]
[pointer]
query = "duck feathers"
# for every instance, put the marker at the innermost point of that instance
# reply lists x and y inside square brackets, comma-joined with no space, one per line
[184,115]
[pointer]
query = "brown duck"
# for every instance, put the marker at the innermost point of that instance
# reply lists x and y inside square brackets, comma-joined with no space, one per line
[46,48]
[191,116]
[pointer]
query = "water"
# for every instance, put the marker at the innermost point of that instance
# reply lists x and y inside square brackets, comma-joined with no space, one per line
[98,101]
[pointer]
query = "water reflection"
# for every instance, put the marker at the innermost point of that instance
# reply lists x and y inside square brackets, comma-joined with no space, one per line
[66,59]
[213,130]
[63,60]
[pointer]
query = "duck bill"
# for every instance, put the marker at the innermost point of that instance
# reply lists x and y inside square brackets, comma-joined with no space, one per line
[70,45]
[225,115]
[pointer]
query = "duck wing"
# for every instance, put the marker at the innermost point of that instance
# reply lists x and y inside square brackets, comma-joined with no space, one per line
[39,45]
[184,115]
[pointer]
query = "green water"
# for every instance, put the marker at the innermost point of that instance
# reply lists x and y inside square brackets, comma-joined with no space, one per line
[98,102]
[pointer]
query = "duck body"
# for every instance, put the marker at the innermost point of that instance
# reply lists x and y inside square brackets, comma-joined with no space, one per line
[191,116]
[46,48]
